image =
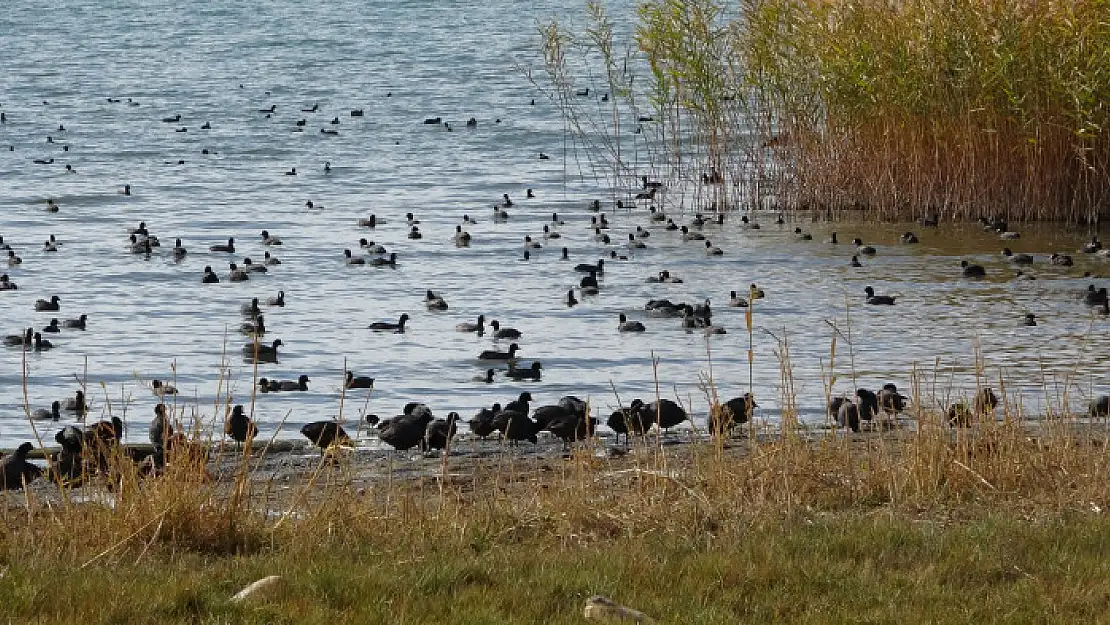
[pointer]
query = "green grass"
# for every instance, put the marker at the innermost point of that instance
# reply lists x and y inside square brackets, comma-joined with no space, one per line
[840,568]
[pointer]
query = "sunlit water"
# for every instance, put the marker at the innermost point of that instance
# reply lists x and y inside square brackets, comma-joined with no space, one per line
[152,318]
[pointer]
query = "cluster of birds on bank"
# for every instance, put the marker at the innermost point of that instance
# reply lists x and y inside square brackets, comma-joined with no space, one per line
[693,316]
[569,420]
[866,405]
[93,450]
[88,452]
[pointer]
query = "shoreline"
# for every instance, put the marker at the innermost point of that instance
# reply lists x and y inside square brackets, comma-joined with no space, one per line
[289,460]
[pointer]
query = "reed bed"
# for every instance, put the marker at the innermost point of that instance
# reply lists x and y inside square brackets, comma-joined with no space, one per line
[889,110]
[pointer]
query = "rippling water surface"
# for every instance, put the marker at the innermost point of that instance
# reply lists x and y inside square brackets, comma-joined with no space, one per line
[221,62]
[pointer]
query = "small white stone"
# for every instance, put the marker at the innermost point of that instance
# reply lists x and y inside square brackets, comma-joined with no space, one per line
[265,589]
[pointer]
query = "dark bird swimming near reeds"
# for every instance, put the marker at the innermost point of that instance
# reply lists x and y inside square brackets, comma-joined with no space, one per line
[41,344]
[16,340]
[262,352]
[51,304]
[76,403]
[48,414]
[878,300]
[228,248]
[599,268]
[357,382]
[478,326]
[493,354]
[865,250]
[433,301]
[256,328]
[385,262]
[531,373]
[1017,259]
[300,385]
[624,325]
[398,327]
[972,271]
[1094,297]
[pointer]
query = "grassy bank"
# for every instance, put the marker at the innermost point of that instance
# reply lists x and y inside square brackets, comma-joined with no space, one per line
[816,568]
[895,109]
[916,524]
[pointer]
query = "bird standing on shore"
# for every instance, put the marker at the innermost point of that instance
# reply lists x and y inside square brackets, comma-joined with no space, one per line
[325,434]
[16,471]
[240,427]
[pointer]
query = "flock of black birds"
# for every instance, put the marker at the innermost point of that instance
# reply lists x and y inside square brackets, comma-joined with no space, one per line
[517,421]
[87,450]
[568,420]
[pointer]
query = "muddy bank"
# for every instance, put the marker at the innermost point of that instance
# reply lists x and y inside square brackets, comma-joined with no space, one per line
[290,464]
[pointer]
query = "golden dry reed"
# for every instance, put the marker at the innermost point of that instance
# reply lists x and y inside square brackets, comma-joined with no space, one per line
[895,110]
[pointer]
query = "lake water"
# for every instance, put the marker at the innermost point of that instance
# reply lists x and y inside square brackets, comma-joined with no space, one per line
[401,62]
